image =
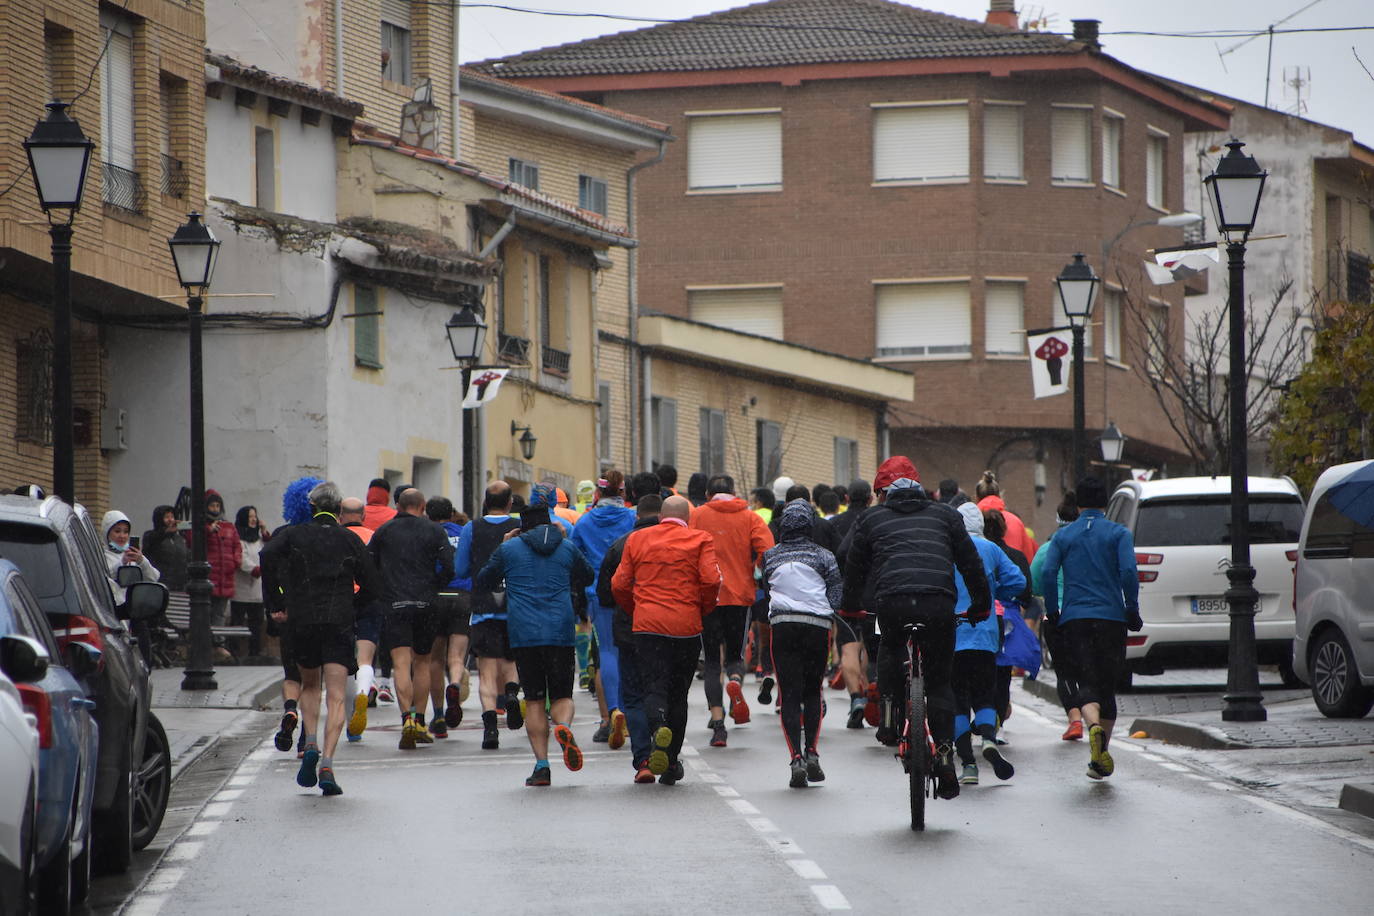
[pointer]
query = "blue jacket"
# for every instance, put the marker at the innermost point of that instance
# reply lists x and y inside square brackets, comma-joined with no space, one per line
[1004,580]
[541,569]
[1098,560]
[596,531]
[460,581]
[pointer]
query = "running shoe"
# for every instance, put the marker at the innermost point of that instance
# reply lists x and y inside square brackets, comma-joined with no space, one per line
[439,728]
[739,709]
[464,686]
[300,745]
[453,705]
[946,781]
[328,785]
[673,775]
[814,773]
[970,777]
[372,698]
[1074,732]
[836,678]
[1097,745]
[515,713]
[620,729]
[540,777]
[289,721]
[766,691]
[644,775]
[384,694]
[352,738]
[572,754]
[718,737]
[658,757]
[408,732]
[305,776]
[491,736]
[602,735]
[1000,765]
[798,778]
[856,716]
[422,735]
[357,723]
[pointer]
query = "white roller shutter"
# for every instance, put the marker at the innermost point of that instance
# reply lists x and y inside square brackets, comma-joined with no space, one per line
[396,12]
[920,144]
[751,311]
[1003,320]
[1111,152]
[1071,154]
[734,151]
[1002,156]
[1154,172]
[923,319]
[1111,325]
[117,102]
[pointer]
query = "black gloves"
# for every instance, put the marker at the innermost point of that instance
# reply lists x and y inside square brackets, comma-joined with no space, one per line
[1133,621]
[978,615]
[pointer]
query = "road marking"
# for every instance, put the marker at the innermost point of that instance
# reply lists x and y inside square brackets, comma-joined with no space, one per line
[743,807]
[202,828]
[1315,823]
[707,776]
[726,792]
[1176,767]
[807,869]
[183,851]
[688,751]
[762,824]
[783,846]
[165,880]
[829,896]
[145,906]
[229,795]
[1198,776]
[216,809]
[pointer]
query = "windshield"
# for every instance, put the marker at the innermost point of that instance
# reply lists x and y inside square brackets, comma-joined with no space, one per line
[34,550]
[1206,520]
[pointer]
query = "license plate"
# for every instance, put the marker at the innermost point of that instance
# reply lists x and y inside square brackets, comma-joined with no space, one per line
[1211,606]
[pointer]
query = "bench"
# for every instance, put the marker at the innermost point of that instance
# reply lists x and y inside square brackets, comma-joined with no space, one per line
[178,614]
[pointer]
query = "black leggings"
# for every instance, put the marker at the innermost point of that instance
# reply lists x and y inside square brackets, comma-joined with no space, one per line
[667,664]
[800,651]
[725,626]
[1065,671]
[1098,648]
[937,654]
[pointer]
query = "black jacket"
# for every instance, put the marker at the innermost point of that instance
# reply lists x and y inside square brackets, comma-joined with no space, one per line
[310,570]
[910,545]
[823,532]
[415,559]
[622,627]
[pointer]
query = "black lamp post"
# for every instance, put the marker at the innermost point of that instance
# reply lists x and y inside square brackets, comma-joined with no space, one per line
[1235,189]
[527,439]
[1077,292]
[59,154]
[466,334]
[194,249]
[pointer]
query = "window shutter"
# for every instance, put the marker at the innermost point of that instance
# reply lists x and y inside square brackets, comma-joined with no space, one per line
[1071,159]
[117,86]
[1003,319]
[367,349]
[603,397]
[920,144]
[1002,141]
[751,311]
[734,151]
[1154,172]
[923,319]
[1111,325]
[396,12]
[1111,152]
[665,430]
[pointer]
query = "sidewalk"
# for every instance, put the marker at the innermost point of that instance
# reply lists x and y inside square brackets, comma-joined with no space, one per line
[195,719]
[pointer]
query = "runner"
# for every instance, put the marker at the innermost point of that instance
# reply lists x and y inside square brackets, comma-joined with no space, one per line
[854,633]
[367,630]
[1065,675]
[448,666]
[295,509]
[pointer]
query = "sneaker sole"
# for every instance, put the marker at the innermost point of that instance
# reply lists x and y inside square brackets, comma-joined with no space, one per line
[285,738]
[739,709]
[644,777]
[357,723]
[514,717]
[815,774]
[798,780]
[305,776]
[572,754]
[620,730]
[1099,755]
[327,784]
[1000,765]
[407,742]
[658,757]
[453,712]
[766,691]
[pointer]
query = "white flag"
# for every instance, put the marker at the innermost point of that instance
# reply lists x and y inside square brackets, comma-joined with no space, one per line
[1180,263]
[482,386]
[1049,350]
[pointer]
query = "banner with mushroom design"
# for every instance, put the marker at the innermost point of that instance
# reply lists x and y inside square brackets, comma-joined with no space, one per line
[1049,349]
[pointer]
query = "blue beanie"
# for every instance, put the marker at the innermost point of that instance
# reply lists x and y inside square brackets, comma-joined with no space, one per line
[295,502]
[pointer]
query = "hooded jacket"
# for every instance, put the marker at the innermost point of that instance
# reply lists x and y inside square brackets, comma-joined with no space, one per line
[739,538]
[378,510]
[597,530]
[115,558]
[801,576]
[1017,536]
[223,550]
[414,558]
[541,569]
[1004,580]
[668,578]
[167,550]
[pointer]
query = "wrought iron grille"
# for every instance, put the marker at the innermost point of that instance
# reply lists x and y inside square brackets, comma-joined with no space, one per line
[174,178]
[513,349]
[122,188]
[556,360]
[1357,280]
[33,364]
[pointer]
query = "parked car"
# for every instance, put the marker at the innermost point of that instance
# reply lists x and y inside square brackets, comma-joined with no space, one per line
[18,802]
[1182,532]
[49,685]
[1333,648]
[56,548]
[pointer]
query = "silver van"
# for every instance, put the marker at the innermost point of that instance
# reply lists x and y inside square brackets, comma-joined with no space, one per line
[1333,646]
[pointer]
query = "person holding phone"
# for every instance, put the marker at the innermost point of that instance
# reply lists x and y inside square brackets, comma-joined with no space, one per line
[122,549]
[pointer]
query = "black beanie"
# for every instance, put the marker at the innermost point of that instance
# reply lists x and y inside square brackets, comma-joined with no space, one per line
[1091,493]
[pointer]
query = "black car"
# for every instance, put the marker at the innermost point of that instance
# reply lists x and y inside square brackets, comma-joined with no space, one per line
[56,548]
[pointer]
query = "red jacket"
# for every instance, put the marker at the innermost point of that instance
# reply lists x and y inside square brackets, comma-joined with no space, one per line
[1017,536]
[224,550]
[668,579]
[378,510]
[740,538]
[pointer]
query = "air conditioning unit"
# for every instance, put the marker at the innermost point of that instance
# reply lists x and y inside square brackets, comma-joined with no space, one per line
[114,429]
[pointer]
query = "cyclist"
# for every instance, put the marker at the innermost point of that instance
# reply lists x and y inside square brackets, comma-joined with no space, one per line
[900,562]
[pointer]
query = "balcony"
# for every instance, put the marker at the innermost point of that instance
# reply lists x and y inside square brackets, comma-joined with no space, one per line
[555,361]
[515,350]
[175,179]
[122,188]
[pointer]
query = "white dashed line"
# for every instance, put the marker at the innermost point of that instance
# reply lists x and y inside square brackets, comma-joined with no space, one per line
[708,776]
[726,792]
[762,824]
[183,851]
[202,828]
[216,809]
[229,795]
[144,906]
[743,807]
[165,880]
[807,869]
[783,846]
[829,896]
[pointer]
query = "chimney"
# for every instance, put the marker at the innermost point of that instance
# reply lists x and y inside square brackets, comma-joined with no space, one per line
[1002,12]
[1085,30]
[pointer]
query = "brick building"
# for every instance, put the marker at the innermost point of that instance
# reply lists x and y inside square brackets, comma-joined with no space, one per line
[902,186]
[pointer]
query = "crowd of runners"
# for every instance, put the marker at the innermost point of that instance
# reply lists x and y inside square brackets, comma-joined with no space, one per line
[629,591]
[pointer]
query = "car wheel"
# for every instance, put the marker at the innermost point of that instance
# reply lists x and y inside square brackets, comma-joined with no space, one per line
[113,829]
[81,873]
[55,880]
[1336,686]
[152,784]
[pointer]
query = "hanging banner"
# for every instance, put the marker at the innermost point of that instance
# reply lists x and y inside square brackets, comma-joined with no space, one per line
[1049,349]
[483,385]
[1172,264]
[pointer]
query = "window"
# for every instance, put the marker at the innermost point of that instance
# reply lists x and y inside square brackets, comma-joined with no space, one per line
[846,459]
[712,433]
[663,419]
[768,442]
[1004,321]
[120,181]
[920,143]
[553,318]
[923,319]
[367,328]
[33,391]
[1155,147]
[1159,338]
[1334,535]
[591,194]
[172,93]
[396,41]
[1002,143]
[734,152]
[1111,324]
[265,168]
[1111,151]
[603,417]
[525,173]
[750,310]
[1190,521]
[1070,152]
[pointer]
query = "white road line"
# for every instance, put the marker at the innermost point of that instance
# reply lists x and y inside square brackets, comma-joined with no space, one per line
[1308,820]
[1176,767]
[829,896]
[202,828]
[807,869]
[743,807]
[216,809]
[783,846]
[688,751]
[183,851]
[726,792]
[762,824]
[708,776]
[1198,776]
[164,881]
[144,906]
[229,795]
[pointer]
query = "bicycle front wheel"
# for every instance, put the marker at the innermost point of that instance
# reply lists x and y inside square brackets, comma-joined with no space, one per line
[916,752]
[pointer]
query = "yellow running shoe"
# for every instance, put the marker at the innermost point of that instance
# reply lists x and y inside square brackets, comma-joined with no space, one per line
[422,734]
[408,732]
[619,730]
[357,723]
[658,757]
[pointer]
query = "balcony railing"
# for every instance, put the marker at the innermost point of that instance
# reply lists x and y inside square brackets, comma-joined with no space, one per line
[513,349]
[122,188]
[175,180]
[555,361]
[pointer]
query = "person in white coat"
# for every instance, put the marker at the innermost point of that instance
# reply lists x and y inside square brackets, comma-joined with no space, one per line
[119,551]
[245,609]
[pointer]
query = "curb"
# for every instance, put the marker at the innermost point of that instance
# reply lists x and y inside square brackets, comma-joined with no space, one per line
[1040,689]
[1358,797]
[267,697]
[1187,734]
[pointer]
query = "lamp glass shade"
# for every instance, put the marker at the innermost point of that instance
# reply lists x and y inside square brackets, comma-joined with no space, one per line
[194,250]
[1113,444]
[466,334]
[527,441]
[1077,286]
[1235,189]
[59,154]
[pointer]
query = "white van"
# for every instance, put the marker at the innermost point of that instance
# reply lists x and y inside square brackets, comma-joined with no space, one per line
[1181,528]
[1333,648]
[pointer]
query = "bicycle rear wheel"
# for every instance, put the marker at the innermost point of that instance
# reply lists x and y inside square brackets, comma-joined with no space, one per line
[917,757]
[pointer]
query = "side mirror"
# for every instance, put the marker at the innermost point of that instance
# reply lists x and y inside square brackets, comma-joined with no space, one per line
[22,659]
[83,659]
[126,576]
[144,600]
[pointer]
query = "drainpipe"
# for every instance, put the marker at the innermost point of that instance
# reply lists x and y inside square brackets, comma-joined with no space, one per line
[646,365]
[453,91]
[338,49]
[632,279]
[496,239]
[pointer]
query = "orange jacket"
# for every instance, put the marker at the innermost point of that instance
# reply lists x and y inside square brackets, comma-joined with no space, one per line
[1016,529]
[741,538]
[668,579]
[377,512]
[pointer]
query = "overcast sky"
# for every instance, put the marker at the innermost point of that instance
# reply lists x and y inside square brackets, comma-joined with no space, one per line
[1340,92]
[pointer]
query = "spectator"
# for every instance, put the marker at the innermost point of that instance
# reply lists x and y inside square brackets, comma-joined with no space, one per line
[224,551]
[246,608]
[164,546]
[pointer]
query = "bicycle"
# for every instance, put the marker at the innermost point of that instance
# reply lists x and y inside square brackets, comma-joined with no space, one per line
[916,754]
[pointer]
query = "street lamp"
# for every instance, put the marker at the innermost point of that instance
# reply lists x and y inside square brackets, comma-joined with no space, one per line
[1235,189]
[1077,291]
[526,440]
[1112,442]
[59,154]
[466,334]
[194,250]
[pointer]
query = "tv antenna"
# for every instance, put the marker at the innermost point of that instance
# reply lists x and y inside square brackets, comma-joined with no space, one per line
[1269,64]
[1297,86]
